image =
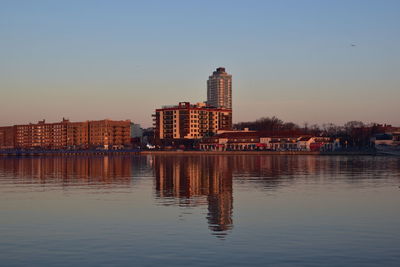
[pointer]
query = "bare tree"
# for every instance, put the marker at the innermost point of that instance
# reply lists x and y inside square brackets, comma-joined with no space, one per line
[267,124]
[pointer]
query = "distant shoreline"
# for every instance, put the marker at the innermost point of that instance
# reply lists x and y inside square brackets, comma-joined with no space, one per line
[256,153]
[166,152]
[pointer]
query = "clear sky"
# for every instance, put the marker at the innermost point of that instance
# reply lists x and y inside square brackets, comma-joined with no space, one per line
[88,60]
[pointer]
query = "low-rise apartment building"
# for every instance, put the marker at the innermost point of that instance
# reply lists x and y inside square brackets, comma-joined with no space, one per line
[42,135]
[7,137]
[105,134]
[109,134]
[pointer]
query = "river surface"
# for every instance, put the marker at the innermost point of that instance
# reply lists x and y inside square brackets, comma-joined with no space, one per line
[201,210]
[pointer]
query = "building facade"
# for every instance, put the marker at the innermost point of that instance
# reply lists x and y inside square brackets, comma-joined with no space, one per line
[136,130]
[109,134]
[7,137]
[188,121]
[105,134]
[78,134]
[219,89]
[253,140]
[42,135]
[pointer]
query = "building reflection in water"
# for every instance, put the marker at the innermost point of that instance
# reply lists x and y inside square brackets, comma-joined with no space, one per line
[199,180]
[207,179]
[103,170]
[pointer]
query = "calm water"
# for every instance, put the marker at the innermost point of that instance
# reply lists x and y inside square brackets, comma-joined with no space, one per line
[200,210]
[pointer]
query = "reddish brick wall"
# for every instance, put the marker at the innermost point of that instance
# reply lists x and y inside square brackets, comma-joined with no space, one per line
[66,135]
[7,137]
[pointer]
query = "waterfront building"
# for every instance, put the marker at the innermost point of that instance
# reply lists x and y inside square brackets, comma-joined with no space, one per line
[105,134]
[109,134]
[136,130]
[387,143]
[136,135]
[78,135]
[190,121]
[219,89]
[258,140]
[42,135]
[7,137]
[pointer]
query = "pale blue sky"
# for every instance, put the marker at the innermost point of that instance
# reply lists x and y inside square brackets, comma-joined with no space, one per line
[122,59]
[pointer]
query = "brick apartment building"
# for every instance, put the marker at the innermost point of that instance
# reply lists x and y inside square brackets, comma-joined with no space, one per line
[66,135]
[109,134]
[7,137]
[190,121]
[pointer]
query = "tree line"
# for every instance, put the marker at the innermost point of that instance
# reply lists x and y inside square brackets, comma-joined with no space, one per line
[352,133]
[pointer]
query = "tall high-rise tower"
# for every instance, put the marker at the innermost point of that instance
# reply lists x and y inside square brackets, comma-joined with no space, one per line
[219,89]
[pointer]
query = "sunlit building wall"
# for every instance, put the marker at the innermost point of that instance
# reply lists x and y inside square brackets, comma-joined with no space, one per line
[188,121]
[219,89]
[7,137]
[67,135]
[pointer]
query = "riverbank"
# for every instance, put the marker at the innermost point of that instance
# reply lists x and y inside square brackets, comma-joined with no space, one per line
[170,152]
[155,152]
[67,152]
